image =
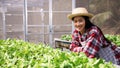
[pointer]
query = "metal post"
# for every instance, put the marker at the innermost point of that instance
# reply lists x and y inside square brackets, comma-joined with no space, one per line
[4,23]
[25,21]
[42,18]
[73,6]
[50,22]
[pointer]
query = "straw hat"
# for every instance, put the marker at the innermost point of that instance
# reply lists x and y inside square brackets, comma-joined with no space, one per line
[80,12]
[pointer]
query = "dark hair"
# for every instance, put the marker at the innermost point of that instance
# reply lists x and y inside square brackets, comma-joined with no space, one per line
[88,23]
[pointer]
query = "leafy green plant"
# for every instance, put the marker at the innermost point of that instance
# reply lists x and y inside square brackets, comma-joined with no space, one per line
[113,38]
[21,54]
[66,37]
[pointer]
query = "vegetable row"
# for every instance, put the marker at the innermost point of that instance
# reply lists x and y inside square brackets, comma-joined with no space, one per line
[21,54]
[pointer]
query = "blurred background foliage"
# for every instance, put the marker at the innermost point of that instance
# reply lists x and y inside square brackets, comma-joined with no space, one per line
[107,15]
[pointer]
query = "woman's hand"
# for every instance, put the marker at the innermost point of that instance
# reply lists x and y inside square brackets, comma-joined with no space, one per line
[77,49]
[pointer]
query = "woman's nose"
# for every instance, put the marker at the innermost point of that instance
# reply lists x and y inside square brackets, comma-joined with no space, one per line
[78,23]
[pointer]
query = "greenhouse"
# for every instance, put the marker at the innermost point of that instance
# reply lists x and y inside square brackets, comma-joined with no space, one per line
[37,33]
[43,20]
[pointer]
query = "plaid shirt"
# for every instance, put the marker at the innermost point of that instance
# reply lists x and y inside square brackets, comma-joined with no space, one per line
[93,44]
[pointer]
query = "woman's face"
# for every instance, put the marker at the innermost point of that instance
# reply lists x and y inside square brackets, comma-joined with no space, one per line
[79,23]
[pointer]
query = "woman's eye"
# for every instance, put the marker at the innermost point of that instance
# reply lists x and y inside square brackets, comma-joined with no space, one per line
[78,21]
[75,21]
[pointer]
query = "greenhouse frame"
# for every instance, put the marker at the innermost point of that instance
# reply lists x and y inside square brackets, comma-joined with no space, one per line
[43,20]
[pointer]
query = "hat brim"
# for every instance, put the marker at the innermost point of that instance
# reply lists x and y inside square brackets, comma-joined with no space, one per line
[70,16]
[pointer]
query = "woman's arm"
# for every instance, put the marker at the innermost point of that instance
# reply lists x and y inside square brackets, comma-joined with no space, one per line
[75,42]
[91,46]
[93,42]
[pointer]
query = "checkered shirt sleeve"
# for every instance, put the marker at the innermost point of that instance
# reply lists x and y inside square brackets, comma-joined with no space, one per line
[75,42]
[91,47]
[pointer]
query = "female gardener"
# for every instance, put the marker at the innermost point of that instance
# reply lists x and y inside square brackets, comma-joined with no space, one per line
[88,38]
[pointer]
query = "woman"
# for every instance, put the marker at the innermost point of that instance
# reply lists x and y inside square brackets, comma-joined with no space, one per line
[88,38]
